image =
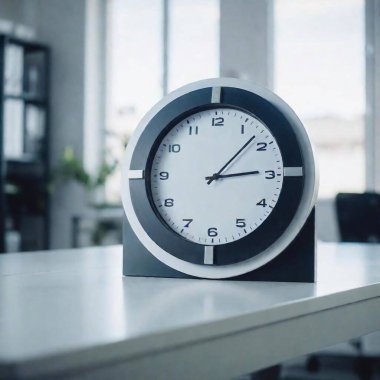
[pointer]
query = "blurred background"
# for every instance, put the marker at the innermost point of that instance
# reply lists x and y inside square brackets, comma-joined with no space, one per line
[78,75]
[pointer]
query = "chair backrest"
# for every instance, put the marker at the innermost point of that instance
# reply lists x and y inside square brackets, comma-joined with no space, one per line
[358,217]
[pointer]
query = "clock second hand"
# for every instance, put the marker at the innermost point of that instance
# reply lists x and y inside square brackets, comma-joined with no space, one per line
[233,175]
[217,175]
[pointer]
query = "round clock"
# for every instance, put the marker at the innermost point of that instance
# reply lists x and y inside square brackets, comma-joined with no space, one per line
[218,178]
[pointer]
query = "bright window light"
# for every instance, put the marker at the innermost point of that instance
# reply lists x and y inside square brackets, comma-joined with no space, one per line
[135,56]
[320,72]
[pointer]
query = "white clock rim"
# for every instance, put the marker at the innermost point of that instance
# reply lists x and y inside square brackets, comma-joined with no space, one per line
[306,204]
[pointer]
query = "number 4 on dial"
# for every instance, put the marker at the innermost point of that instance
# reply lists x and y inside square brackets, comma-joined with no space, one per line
[262,203]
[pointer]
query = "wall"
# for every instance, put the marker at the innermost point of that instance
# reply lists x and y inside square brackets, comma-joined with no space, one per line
[8,10]
[250,57]
[326,220]
[61,24]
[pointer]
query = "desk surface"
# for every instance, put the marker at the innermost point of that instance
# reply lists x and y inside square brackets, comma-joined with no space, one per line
[71,312]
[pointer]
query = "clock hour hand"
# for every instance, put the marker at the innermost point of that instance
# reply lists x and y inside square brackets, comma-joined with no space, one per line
[215,175]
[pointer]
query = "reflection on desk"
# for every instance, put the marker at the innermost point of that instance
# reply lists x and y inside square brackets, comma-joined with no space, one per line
[71,311]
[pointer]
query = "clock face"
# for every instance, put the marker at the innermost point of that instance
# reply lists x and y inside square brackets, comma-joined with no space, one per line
[216,176]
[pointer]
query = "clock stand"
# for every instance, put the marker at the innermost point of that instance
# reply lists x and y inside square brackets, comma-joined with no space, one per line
[295,264]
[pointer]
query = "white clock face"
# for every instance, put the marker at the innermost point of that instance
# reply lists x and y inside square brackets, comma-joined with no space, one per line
[216,176]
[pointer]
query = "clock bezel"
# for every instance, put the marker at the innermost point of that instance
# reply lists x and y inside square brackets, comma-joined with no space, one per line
[200,97]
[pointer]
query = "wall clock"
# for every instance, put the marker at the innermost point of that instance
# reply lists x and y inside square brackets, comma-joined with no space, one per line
[219,181]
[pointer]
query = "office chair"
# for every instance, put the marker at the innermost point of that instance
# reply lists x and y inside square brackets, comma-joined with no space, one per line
[358,217]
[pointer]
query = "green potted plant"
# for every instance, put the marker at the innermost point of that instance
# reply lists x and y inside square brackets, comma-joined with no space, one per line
[70,168]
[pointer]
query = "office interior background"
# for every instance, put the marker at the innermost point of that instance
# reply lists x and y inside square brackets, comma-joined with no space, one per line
[78,75]
[108,62]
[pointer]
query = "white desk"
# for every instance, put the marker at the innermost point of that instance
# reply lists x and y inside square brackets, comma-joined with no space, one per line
[71,313]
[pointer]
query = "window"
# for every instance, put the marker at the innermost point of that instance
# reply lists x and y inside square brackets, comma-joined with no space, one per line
[193,41]
[137,39]
[134,73]
[319,71]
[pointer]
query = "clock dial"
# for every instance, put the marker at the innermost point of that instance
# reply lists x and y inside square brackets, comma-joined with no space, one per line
[216,176]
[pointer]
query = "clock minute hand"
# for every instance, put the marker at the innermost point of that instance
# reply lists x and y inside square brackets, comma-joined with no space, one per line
[216,175]
[233,175]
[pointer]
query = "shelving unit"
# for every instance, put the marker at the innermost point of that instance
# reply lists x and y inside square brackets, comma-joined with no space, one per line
[24,145]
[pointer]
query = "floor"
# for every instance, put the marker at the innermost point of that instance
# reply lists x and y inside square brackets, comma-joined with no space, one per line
[339,369]
[329,369]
